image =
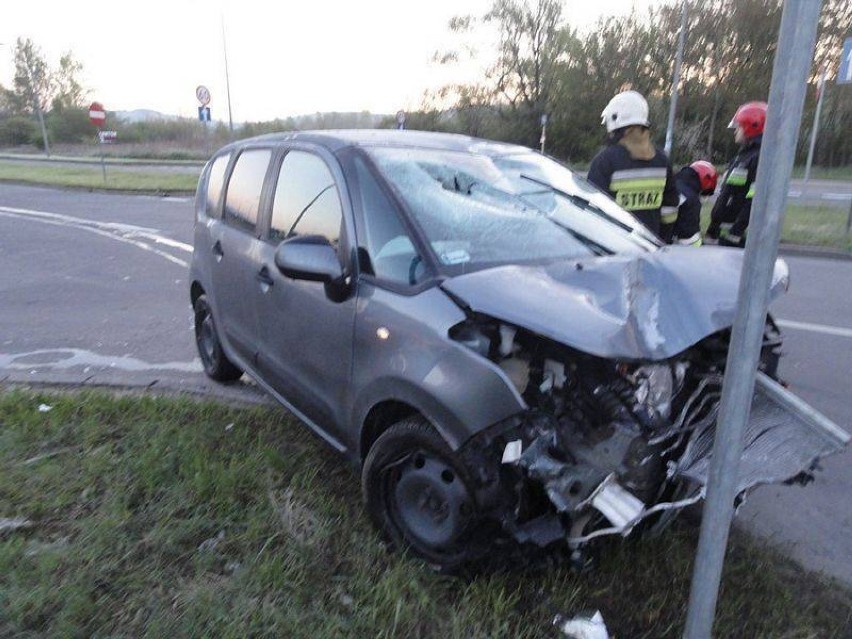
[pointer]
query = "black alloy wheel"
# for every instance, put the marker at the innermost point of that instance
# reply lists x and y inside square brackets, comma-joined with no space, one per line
[216,364]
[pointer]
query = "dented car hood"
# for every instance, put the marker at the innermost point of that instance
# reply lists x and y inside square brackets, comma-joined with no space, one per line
[650,306]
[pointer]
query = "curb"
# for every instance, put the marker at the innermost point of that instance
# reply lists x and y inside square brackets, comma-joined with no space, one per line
[60,159]
[94,189]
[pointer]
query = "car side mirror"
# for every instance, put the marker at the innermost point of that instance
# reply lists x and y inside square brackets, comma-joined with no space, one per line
[308,257]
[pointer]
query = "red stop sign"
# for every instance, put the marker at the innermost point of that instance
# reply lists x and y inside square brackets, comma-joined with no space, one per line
[97,115]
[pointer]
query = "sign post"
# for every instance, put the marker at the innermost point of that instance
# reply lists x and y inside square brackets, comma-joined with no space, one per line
[203,95]
[815,129]
[97,116]
[543,138]
[793,57]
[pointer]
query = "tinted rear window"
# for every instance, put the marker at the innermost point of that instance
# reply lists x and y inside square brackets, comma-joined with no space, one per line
[242,200]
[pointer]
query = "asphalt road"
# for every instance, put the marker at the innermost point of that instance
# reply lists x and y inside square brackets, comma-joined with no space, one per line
[93,290]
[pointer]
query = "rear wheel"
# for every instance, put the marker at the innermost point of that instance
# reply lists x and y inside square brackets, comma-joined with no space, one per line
[418,494]
[216,364]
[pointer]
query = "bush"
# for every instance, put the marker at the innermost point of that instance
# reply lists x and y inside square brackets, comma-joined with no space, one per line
[70,125]
[17,130]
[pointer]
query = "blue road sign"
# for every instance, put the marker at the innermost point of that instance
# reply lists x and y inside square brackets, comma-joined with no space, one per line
[844,74]
[204,113]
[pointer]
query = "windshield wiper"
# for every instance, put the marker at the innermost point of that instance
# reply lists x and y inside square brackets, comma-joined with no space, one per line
[582,203]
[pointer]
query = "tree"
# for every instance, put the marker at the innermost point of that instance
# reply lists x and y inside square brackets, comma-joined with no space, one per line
[33,82]
[68,92]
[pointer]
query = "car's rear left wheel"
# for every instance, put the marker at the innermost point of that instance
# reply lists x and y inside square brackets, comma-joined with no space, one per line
[216,364]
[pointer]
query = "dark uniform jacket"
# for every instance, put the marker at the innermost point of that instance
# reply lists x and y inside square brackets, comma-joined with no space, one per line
[733,206]
[686,229]
[646,188]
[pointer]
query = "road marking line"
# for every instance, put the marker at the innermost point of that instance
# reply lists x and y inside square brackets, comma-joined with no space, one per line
[97,231]
[815,328]
[127,230]
[837,196]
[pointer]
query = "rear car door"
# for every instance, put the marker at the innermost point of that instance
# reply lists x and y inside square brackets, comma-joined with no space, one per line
[235,252]
[306,336]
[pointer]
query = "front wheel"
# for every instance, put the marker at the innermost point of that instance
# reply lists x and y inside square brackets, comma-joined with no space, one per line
[418,494]
[216,364]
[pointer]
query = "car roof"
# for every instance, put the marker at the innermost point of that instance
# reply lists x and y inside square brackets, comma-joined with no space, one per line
[334,140]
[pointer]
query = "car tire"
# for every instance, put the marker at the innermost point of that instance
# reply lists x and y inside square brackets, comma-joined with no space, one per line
[216,364]
[417,493]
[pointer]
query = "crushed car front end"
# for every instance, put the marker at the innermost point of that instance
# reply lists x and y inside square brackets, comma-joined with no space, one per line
[618,433]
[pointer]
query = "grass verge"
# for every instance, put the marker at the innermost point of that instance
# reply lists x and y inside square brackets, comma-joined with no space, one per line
[92,178]
[167,517]
[817,226]
[810,225]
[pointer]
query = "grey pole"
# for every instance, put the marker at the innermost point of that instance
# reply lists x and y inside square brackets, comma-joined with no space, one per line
[676,80]
[786,100]
[822,87]
[227,80]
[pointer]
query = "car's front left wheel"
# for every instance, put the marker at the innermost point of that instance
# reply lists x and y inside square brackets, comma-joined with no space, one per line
[418,494]
[216,364]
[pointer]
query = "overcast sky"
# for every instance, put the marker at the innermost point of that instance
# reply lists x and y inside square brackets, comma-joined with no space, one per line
[284,58]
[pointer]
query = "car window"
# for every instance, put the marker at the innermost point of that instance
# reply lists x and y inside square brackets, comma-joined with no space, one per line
[306,201]
[242,199]
[393,256]
[215,182]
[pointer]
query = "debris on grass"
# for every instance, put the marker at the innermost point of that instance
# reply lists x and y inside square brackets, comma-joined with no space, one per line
[44,408]
[583,626]
[11,525]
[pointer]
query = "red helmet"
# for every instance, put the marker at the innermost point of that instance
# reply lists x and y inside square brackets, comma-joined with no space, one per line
[751,118]
[707,175]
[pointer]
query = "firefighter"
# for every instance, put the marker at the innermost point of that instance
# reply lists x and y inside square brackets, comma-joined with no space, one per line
[635,173]
[693,182]
[730,215]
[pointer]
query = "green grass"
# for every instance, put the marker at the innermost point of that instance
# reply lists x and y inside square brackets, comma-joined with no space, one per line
[810,225]
[843,173]
[169,517]
[817,226]
[91,177]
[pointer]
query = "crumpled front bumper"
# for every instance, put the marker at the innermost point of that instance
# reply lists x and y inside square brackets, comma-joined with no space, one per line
[784,439]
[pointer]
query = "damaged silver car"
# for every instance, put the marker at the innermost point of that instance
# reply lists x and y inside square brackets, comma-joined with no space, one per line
[509,357]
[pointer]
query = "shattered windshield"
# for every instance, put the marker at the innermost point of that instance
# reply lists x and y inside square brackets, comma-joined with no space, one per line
[535,169]
[475,213]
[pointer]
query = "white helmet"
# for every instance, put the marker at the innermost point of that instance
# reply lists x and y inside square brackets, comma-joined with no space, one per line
[626,109]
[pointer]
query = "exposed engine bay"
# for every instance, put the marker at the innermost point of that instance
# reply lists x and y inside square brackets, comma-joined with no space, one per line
[607,445]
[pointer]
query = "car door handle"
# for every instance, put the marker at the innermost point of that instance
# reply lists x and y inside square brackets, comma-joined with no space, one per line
[264,277]
[217,250]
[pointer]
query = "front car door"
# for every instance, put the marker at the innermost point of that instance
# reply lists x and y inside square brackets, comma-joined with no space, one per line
[306,337]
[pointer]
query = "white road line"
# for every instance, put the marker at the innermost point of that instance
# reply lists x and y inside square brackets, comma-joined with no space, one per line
[96,231]
[126,230]
[837,196]
[815,328]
